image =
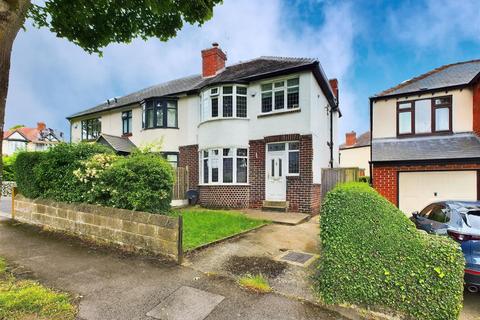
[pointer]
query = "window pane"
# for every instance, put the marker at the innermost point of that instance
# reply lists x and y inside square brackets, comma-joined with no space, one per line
[227,106]
[227,90]
[293,162]
[214,163]
[442,119]
[214,91]
[293,146]
[205,153]
[405,105]
[444,100]
[423,116]
[279,100]
[242,152]
[266,86]
[149,118]
[228,152]
[205,171]
[292,82]
[404,122]
[242,90]
[159,112]
[241,106]
[266,102]
[242,170]
[172,118]
[280,166]
[276,147]
[292,98]
[228,170]
[214,107]
[279,84]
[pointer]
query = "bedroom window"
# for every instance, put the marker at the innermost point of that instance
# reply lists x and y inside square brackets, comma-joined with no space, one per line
[424,116]
[228,101]
[224,166]
[280,95]
[160,113]
[127,122]
[91,129]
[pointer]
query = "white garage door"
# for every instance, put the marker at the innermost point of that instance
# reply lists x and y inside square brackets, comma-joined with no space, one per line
[418,189]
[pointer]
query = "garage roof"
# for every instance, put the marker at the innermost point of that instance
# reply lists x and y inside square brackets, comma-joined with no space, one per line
[457,146]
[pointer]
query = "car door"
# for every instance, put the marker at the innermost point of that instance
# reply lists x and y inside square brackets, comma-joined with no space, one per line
[438,218]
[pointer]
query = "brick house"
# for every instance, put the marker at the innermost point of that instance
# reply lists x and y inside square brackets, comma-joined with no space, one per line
[252,134]
[355,151]
[425,137]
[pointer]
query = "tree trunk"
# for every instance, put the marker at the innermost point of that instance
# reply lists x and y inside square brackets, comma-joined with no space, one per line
[12,18]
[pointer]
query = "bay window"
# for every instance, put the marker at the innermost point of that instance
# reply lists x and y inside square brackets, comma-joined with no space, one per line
[91,129]
[424,116]
[127,122]
[278,95]
[224,166]
[227,101]
[160,113]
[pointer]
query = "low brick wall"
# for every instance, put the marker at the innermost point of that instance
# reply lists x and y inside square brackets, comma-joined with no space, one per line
[225,196]
[132,230]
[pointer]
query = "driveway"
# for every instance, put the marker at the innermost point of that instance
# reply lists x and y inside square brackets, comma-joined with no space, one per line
[113,286]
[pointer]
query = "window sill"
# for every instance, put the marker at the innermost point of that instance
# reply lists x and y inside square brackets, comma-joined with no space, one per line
[419,135]
[160,128]
[126,135]
[274,113]
[222,184]
[219,119]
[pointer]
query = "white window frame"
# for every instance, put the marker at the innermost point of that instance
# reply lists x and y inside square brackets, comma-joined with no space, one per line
[207,95]
[287,151]
[220,157]
[283,88]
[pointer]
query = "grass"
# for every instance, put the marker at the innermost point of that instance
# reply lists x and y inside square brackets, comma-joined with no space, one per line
[26,299]
[255,283]
[202,226]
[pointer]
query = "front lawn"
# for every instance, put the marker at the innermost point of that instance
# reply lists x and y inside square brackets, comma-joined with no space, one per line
[202,226]
[26,299]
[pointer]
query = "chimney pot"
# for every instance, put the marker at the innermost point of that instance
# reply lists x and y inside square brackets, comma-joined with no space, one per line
[213,60]
[41,126]
[350,138]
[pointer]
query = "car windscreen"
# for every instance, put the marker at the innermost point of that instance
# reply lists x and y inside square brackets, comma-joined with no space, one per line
[473,217]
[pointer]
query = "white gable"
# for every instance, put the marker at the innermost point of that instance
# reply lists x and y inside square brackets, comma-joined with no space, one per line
[16,136]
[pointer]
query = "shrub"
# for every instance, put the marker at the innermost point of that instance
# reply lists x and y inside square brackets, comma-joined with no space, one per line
[373,256]
[138,182]
[23,167]
[55,171]
[8,170]
[364,179]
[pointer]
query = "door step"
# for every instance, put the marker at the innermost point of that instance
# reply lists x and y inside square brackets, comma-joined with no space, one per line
[281,206]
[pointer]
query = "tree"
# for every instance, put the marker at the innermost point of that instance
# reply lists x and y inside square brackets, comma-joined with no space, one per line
[93,24]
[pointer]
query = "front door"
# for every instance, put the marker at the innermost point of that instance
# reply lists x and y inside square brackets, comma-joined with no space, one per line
[276,182]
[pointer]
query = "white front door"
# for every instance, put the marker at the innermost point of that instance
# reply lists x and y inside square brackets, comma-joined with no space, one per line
[276,181]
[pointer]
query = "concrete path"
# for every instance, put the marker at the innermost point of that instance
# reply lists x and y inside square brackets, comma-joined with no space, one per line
[288,218]
[116,287]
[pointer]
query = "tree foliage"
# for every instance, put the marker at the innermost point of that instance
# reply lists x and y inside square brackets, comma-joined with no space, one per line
[93,24]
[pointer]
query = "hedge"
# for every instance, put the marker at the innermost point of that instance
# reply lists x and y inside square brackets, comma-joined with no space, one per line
[23,167]
[8,170]
[373,256]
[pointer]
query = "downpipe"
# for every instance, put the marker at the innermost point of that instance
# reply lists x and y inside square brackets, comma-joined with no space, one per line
[472,289]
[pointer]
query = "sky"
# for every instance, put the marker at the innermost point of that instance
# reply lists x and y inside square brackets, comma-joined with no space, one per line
[368,45]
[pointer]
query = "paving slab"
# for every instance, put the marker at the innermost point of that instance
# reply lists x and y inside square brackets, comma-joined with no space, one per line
[186,303]
[288,218]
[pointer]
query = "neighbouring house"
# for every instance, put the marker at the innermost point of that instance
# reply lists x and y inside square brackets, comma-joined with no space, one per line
[355,151]
[39,138]
[425,137]
[252,134]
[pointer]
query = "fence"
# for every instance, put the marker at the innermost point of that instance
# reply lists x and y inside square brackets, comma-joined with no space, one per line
[333,176]
[181,184]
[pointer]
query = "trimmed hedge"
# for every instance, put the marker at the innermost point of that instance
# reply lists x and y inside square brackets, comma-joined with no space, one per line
[8,170]
[373,256]
[23,167]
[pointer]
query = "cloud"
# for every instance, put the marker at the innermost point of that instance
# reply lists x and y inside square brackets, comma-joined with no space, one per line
[52,78]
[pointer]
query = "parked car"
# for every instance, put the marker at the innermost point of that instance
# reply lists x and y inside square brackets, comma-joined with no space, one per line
[461,221]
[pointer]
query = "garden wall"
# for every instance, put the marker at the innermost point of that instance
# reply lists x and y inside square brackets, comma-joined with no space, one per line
[132,230]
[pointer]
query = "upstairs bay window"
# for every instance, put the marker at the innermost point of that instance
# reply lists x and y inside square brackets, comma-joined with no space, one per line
[224,166]
[91,129]
[160,113]
[278,95]
[424,116]
[228,101]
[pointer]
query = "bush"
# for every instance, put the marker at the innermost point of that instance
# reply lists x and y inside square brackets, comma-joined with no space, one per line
[364,179]
[8,170]
[55,171]
[140,182]
[373,256]
[23,167]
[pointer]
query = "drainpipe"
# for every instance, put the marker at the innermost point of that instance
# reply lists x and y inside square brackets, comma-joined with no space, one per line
[331,137]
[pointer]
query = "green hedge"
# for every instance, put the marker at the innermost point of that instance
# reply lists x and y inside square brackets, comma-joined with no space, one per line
[373,256]
[8,169]
[23,167]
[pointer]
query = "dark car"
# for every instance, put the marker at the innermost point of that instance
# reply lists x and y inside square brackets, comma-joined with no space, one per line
[461,221]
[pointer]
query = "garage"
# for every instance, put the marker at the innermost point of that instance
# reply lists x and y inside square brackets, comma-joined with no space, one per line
[418,189]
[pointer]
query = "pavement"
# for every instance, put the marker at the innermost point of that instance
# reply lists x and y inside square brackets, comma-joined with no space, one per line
[288,218]
[114,286]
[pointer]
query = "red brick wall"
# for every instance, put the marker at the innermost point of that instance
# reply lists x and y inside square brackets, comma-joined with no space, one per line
[224,196]
[385,177]
[476,108]
[257,173]
[213,59]
[316,198]
[188,157]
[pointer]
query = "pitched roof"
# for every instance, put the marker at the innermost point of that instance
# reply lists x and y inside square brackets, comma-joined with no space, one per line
[31,134]
[363,140]
[457,146]
[246,71]
[120,144]
[450,75]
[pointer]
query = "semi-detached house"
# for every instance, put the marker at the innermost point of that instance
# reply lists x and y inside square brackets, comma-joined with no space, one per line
[249,133]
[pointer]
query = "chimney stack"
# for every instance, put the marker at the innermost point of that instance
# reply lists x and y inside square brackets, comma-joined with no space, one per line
[213,60]
[350,138]
[41,126]
[334,85]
